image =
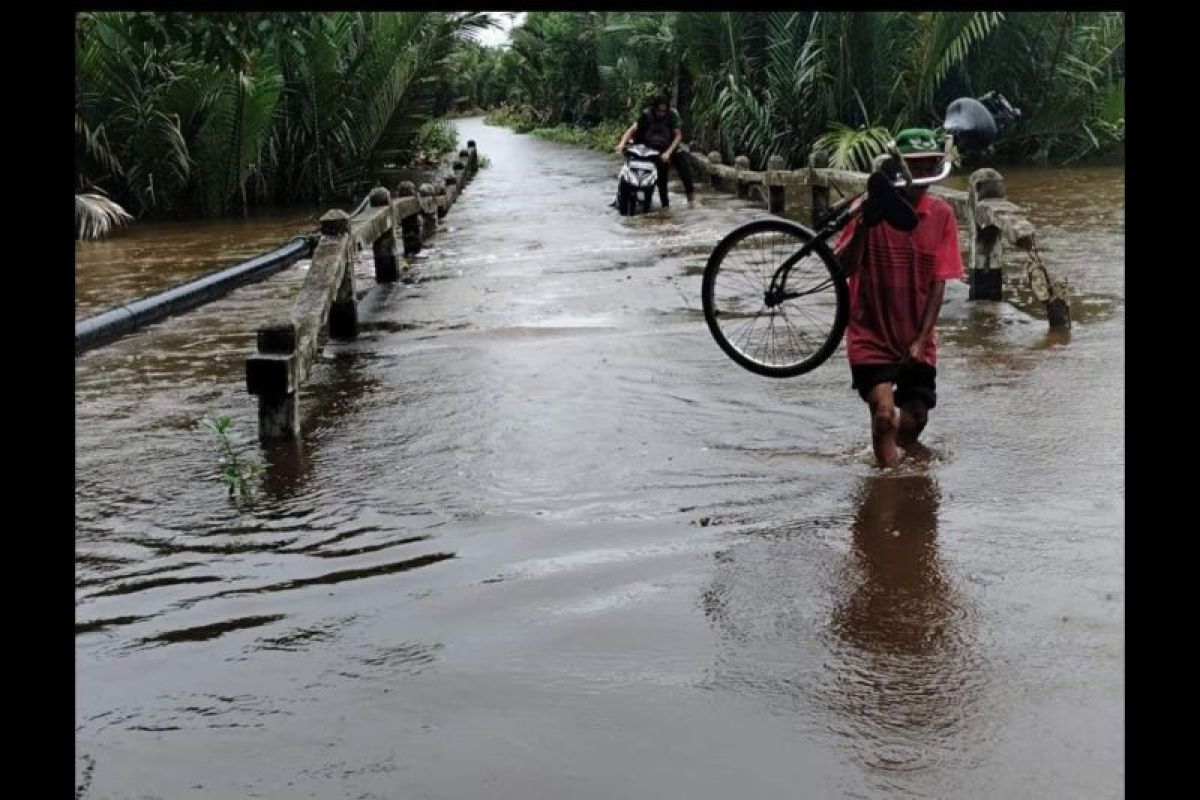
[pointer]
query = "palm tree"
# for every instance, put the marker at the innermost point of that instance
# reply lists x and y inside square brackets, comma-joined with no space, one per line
[213,112]
[231,138]
[122,126]
[399,91]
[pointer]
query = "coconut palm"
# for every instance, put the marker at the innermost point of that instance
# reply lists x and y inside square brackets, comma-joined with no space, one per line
[211,113]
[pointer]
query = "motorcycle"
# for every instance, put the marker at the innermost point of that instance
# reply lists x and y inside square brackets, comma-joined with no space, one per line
[637,180]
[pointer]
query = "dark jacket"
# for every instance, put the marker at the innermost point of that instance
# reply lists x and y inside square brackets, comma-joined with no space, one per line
[654,132]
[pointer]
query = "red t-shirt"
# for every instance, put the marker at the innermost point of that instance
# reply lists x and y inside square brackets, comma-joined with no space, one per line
[889,289]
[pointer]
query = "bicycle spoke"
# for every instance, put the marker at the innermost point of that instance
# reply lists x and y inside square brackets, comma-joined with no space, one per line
[795,331]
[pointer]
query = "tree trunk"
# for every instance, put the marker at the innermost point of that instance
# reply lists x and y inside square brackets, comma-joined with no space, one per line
[683,98]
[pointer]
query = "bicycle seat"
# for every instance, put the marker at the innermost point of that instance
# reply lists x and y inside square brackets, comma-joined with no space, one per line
[886,203]
[970,123]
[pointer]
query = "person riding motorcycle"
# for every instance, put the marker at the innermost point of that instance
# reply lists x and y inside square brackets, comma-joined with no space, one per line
[659,127]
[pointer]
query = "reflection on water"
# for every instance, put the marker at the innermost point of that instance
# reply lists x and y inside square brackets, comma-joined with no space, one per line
[898,605]
[852,624]
[905,674]
[288,468]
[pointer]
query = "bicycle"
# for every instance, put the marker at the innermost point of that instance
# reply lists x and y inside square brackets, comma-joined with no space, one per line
[745,284]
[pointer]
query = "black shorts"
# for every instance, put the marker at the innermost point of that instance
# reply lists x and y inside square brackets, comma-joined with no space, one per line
[911,381]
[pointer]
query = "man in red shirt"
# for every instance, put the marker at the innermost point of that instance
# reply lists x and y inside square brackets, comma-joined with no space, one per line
[896,288]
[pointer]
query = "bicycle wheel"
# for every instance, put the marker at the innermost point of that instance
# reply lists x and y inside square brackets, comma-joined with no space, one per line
[792,337]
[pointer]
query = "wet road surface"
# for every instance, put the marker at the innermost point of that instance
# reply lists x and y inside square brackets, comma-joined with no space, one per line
[541,538]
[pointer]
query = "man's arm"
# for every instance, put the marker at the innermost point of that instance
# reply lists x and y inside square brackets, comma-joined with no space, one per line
[949,267]
[850,253]
[929,317]
[674,143]
[625,137]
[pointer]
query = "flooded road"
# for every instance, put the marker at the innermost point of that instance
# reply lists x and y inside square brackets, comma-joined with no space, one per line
[541,538]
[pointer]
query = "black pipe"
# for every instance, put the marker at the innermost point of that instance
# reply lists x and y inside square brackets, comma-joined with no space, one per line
[102,328]
[108,325]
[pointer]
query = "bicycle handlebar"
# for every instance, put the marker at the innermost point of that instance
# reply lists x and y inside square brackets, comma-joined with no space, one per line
[908,180]
[945,171]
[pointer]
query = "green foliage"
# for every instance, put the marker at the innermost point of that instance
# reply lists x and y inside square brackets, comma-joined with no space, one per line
[851,148]
[761,84]
[603,136]
[212,112]
[239,475]
[436,138]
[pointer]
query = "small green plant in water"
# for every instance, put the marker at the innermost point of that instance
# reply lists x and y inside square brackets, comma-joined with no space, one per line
[238,475]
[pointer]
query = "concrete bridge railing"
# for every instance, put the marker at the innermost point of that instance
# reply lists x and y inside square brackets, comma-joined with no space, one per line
[984,209]
[326,306]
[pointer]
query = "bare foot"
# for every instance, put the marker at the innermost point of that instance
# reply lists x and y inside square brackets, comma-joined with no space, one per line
[918,453]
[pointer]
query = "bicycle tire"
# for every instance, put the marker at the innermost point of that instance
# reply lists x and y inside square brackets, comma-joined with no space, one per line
[736,279]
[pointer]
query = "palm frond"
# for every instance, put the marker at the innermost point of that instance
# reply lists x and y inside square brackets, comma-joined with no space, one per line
[234,132]
[853,149]
[96,216]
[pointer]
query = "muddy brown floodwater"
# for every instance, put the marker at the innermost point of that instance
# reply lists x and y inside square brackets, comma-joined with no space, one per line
[540,538]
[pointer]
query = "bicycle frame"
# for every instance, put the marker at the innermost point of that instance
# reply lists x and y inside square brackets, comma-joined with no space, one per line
[776,293]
